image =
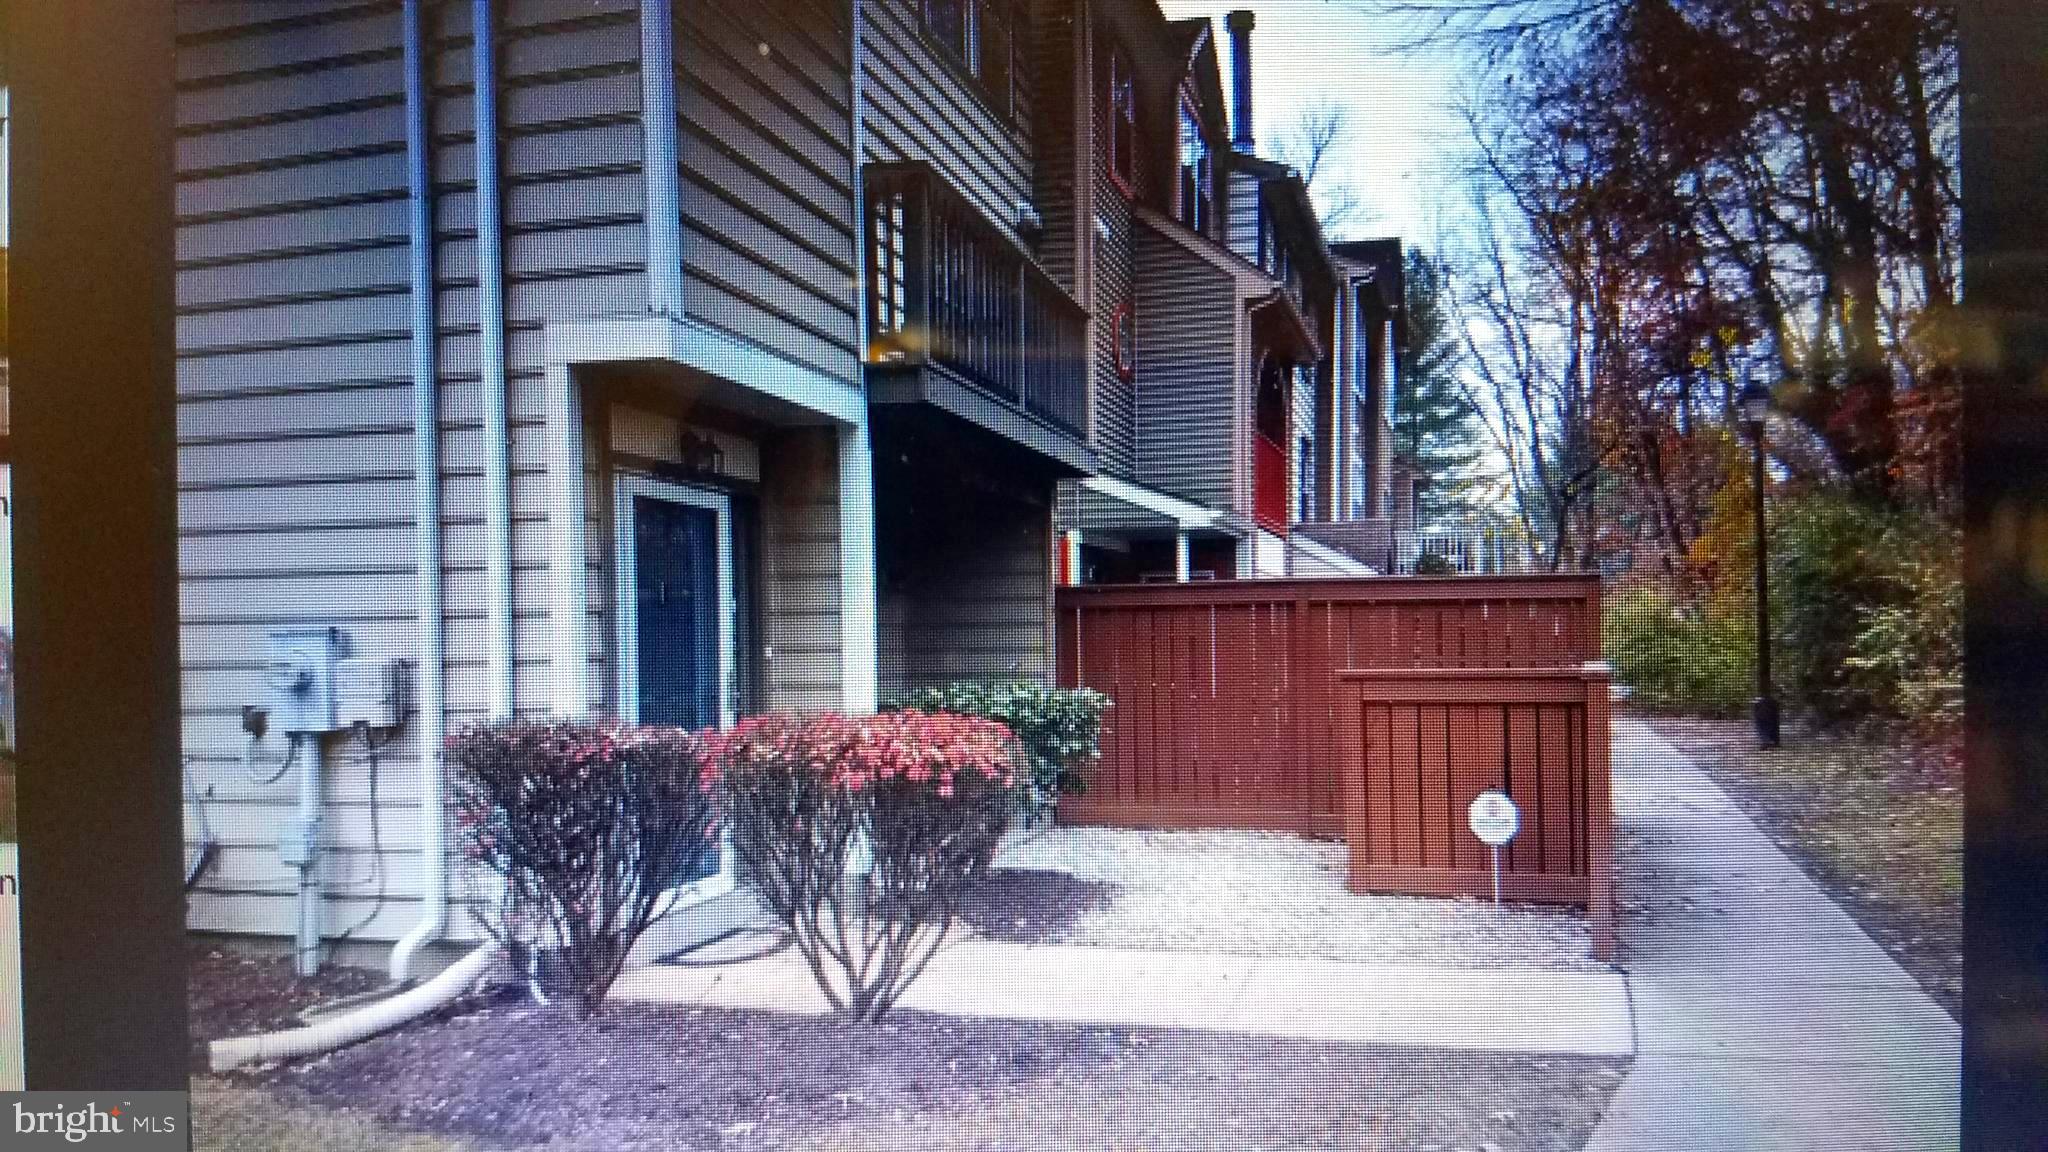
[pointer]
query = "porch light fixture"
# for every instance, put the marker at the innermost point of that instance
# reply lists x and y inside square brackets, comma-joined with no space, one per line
[1754,402]
[700,454]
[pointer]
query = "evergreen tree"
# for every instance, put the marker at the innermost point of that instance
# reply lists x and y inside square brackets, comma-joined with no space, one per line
[1434,424]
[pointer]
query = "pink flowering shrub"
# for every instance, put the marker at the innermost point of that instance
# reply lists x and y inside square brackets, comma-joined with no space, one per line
[863,833]
[587,828]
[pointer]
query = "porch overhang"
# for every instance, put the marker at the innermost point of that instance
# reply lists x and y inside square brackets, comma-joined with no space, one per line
[1110,504]
[764,385]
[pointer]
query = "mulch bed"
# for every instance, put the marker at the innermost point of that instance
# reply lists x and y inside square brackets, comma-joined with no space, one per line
[1031,905]
[230,992]
[498,1072]
[513,1075]
[1876,823]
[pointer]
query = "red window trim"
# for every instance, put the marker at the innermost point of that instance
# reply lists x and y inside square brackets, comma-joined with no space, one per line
[1126,369]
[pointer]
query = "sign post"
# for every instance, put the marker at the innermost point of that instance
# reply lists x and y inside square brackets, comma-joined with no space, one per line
[1494,819]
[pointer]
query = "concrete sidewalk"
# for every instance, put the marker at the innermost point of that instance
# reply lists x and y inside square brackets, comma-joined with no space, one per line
[1501,1010]
[1765,1018]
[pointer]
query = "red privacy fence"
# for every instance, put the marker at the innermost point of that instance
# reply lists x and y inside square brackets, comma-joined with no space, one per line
[1270,704]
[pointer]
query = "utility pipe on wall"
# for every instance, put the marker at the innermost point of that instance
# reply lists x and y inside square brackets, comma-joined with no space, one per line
[426,425]
[490,273]
[658,115]
[308,837]
[858,641]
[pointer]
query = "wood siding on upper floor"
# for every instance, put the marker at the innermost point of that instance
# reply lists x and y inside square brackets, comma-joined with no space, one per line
[920,104]
[764,100]
[295,391]
[1241,215]
[1188,390]
[1112,233]
[1063,130]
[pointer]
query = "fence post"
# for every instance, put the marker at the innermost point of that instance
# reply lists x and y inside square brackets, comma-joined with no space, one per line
[1599,811]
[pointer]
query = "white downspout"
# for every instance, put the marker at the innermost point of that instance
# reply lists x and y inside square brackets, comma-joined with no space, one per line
[426,425]
[490,273]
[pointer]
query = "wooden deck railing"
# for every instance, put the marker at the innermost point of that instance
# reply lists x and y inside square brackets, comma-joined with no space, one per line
[946,287]
[1419,744]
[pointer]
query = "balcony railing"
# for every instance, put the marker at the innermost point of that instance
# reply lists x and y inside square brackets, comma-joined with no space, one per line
[946,287]
[1269,483]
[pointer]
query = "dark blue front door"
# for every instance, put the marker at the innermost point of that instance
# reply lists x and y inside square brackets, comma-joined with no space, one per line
[677,620]
[675,552]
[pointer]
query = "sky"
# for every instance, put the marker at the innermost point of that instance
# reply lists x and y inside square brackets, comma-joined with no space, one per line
[1407,137]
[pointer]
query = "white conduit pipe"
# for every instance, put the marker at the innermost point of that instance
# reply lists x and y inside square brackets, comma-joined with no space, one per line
[490,274]
[350,1027]
[426,425]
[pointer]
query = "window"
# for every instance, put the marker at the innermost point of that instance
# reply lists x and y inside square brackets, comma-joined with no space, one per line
[1123,122]
[1123,335]
[980,35]
[1195,184]
[946,21]
[1305,471]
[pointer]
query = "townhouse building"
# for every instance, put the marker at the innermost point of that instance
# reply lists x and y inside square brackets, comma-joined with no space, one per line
[672,360]
[1233,394]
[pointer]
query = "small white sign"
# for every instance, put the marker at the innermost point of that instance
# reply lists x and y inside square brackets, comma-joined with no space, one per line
[1493,818]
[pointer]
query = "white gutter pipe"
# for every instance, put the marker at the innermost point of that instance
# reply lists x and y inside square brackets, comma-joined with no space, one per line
[490,274]
[350,1027]
[426,469]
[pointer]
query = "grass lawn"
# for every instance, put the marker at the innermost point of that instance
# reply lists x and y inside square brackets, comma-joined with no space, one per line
[498,1073]
[1877,826]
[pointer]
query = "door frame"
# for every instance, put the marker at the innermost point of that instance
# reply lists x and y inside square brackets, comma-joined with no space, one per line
[628,487]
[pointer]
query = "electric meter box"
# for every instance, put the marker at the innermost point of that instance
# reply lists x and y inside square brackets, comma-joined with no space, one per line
[369,692]
[300,677]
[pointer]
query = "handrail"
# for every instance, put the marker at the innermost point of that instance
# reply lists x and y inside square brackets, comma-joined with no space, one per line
[946,287]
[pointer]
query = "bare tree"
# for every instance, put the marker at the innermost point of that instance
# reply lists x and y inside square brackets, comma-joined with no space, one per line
[1314,146]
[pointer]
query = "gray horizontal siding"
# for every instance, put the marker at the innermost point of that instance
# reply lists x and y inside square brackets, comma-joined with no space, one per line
[1115,265]
[294,379]
[1241,221]
[1187,373]
[767,186]
[919,105]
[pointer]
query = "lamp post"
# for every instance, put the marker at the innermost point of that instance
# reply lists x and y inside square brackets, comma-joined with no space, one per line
[1755,403]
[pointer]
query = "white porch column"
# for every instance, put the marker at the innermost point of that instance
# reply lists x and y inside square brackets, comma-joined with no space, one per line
[1182,567]
[568,546]
[859,657]
[1073,547]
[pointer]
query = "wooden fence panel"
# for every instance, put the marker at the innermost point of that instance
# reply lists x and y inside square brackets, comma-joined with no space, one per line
[1226,709]
[1430,740]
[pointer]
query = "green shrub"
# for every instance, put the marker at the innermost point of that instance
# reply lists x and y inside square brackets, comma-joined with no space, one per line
[1867,609]
[1058,727]
[1679,657]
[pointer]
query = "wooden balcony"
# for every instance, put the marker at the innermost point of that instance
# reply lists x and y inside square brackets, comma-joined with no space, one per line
[948,290]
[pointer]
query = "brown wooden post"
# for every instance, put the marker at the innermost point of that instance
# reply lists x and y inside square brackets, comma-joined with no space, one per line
[1599,811]
[1351,775]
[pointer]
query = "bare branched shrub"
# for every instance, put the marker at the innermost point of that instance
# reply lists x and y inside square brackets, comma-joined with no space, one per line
[586,830]
[862,835]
